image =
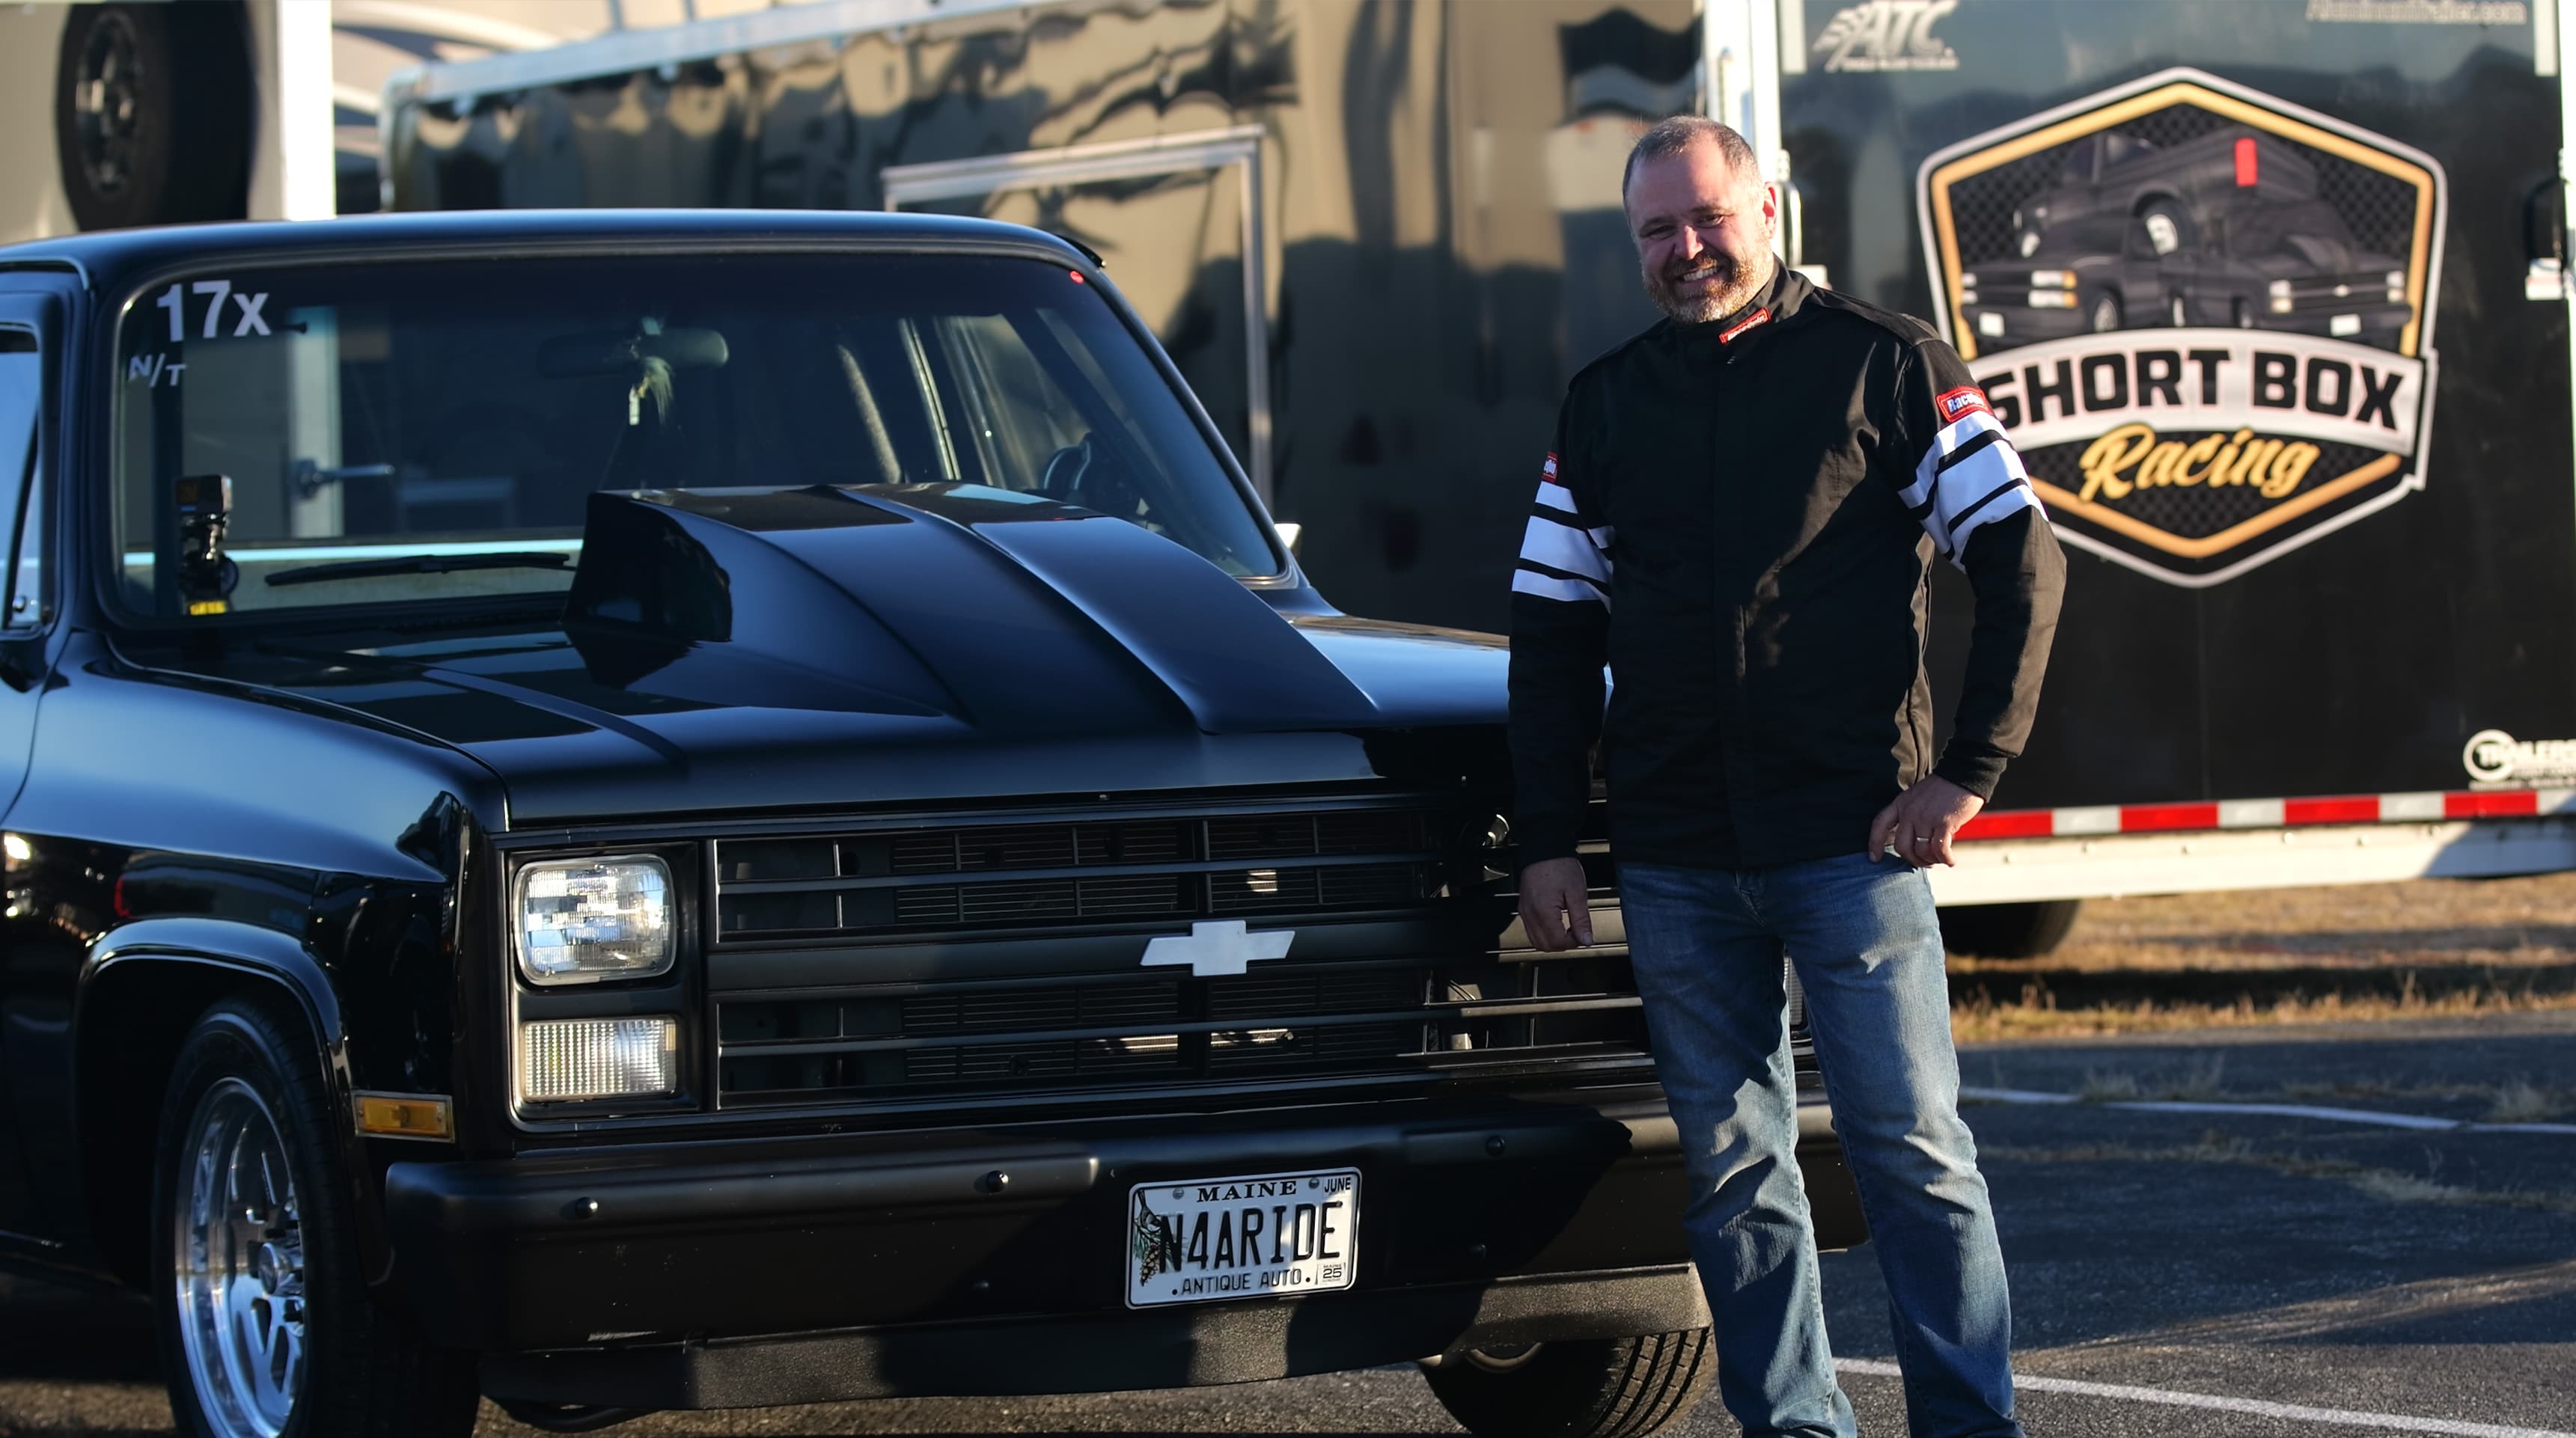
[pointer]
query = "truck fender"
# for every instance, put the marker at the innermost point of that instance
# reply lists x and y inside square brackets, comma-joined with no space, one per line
[195,960]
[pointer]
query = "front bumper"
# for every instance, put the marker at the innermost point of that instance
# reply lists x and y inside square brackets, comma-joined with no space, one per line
[2318,316]
[2021,324]
[721,1274]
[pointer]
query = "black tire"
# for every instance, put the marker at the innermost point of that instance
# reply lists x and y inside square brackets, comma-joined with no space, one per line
[2105,314]
[152,113]
[2170,217]
[2009,931]
[2240,314]
[365,1371]
[1588,1388]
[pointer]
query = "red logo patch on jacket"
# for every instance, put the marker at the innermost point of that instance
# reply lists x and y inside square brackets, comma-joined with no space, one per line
[1967,399]
[1753,320]
[1547,471]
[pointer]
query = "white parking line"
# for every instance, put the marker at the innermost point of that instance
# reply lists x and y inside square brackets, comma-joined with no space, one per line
[2294,1412]
[2416,1121]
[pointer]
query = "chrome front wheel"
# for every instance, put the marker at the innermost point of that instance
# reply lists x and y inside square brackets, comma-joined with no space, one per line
[240,1270]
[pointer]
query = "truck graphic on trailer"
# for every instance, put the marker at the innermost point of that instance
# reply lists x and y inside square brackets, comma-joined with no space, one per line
[2225,229]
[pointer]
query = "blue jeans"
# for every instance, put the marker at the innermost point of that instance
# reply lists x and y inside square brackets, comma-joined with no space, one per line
[1707,945]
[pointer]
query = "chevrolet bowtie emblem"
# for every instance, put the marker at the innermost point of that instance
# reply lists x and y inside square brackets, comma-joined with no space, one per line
[1224,947]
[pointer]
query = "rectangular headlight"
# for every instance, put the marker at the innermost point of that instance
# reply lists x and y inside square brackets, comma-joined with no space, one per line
[2052,299]
[2053,279]
[565,1059]
[583,920]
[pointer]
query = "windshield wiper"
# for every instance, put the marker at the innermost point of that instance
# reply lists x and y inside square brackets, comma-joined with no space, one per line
[422,564]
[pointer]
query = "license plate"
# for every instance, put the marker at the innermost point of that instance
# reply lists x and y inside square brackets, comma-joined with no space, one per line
[1259,1236]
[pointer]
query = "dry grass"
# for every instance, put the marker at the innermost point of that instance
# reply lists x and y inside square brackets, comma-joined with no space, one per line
[2521,1101]
[2202,1079]
[2432,948]
[2381,1183]
[2504,923]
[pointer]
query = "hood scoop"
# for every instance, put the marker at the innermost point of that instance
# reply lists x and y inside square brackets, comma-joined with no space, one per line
[1009,613]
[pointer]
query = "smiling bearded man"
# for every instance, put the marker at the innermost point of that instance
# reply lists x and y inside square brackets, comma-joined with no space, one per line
[1738,520]
[1701,273]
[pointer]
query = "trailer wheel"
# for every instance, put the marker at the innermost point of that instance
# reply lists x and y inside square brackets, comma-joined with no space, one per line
[1588,1388]
[152,121]
[2009,931]
[267,1327]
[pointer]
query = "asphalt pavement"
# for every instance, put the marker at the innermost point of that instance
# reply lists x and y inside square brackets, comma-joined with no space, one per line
[2227,1274]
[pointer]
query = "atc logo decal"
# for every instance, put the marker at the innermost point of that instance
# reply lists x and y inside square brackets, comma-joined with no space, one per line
[1886,35]
[2204,314]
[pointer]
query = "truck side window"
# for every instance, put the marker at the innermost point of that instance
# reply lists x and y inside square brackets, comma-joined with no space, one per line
[22,387]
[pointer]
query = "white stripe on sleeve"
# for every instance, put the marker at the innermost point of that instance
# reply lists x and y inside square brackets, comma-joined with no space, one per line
[1562,546]
[1975,491]
[1554,497]
[1548,586]
[1944,444]
[2013,501]
[1561,559]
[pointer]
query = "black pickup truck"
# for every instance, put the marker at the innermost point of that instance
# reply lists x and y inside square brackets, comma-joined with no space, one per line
[643,811]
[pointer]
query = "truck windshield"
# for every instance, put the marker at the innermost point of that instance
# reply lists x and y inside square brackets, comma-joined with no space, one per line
[398,432]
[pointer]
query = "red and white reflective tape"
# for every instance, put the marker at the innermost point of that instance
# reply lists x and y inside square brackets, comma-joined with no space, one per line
[2271,813]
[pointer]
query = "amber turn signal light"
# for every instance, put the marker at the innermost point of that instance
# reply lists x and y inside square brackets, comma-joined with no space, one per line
[405,1115]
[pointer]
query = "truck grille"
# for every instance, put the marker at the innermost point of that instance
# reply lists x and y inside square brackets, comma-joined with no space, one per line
[1073,873]
[970,961]
[1324,1020]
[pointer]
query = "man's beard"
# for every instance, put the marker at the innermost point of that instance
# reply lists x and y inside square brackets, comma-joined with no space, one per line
[1733,290]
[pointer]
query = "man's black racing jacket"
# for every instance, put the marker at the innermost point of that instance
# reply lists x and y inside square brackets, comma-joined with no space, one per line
[1738,520]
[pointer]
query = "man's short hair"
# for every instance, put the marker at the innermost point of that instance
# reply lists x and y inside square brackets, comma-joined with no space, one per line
[1671,137]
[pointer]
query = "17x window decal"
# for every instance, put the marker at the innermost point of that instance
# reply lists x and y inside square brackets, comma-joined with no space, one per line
[249,320]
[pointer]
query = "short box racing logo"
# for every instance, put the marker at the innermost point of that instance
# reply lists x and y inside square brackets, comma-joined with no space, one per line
[2204,315]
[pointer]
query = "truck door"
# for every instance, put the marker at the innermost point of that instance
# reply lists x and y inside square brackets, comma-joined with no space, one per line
[28,328]
[2249,282]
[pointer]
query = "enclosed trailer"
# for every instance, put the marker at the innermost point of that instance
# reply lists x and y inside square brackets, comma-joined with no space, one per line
[2220,264]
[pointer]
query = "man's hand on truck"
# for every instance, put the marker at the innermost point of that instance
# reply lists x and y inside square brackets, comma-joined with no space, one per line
[1918,826]
[1556,904]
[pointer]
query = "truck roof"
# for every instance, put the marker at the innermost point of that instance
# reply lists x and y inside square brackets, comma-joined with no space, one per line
[103,256]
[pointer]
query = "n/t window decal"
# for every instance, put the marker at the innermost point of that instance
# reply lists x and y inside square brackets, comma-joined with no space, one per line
[2204,315]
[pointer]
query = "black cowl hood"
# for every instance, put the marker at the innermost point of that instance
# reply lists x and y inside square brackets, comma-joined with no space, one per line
[744,650]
